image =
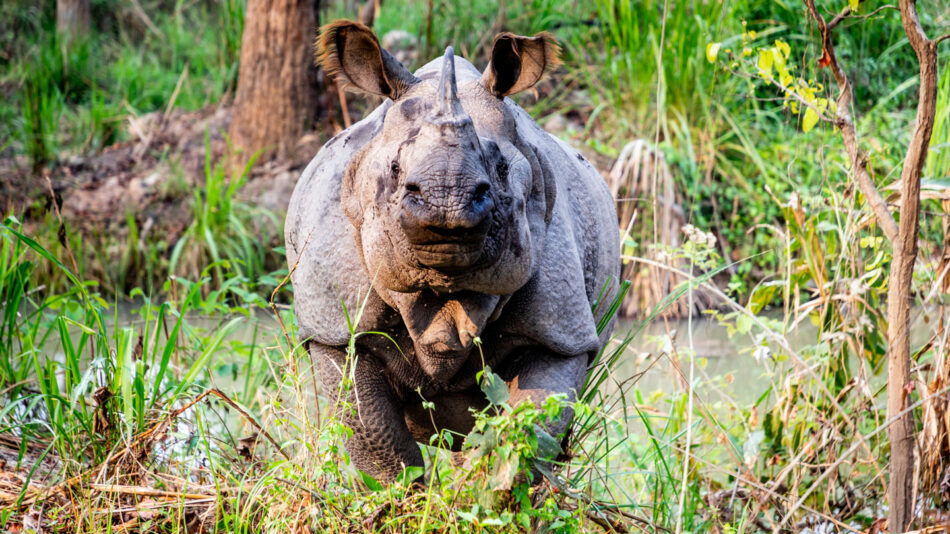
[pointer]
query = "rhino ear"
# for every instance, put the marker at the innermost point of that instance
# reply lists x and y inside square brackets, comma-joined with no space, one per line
[517,62]
[350,52]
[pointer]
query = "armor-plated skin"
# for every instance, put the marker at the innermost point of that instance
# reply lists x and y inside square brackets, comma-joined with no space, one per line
[450,215]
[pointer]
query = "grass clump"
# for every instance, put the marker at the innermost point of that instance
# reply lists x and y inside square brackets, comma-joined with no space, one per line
[73,98]
[225,229]
[145,423]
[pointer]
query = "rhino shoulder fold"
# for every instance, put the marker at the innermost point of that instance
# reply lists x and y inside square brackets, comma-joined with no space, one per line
[580,256]
[321,251]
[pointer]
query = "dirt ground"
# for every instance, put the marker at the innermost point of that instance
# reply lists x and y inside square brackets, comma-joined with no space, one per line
[150,177]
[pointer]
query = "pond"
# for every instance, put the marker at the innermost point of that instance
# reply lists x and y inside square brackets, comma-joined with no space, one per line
[647,360]
[656,360]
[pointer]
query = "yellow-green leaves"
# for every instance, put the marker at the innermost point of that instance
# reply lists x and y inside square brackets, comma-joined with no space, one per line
[783,47]
[811,114]
[810,119]
[712,50]
[775,57]
[775,65]
[765,63]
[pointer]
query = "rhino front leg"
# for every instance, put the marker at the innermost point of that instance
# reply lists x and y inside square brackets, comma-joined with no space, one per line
[539,374]
[381,444]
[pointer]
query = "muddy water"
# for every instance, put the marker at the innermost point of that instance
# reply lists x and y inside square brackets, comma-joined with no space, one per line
[724,367]
[657,360]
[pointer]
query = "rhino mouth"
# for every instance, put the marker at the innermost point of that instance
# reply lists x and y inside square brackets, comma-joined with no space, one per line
[448,256]
[449,249]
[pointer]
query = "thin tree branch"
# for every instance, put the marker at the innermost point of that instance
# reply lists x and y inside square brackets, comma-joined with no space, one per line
[838,18]
[846,15]
[943,37]
[845,123]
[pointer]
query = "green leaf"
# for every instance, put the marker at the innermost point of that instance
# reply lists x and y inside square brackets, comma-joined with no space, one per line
[548,447]
[494,387]
[712,51]
[783,47]
[810,120]
[744,324]
[474,440]
[410,474]
[506,467]
[468,516]
[779,61]
[762,296]
[370,482]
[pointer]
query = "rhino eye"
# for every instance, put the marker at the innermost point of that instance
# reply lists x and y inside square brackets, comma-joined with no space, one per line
[502,169]
[394,169]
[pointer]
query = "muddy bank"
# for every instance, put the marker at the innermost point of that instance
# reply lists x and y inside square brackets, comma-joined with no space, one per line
[138,194]
[151,177]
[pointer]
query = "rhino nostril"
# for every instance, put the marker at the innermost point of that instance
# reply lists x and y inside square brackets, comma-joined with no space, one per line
[482,189]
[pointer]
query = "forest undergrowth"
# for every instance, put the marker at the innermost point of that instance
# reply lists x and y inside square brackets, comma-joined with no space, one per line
[173,395]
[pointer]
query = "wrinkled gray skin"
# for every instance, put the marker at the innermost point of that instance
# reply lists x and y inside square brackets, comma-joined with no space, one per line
[454,216]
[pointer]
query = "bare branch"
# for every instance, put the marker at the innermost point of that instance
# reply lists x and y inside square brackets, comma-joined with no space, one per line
[941,38]
[845,123]
[875,12]
[846,14]
[838,18]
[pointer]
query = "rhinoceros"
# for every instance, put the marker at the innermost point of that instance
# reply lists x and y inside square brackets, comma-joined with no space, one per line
[449,221]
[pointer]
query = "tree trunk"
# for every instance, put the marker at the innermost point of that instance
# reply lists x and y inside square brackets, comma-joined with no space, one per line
[901,432]
[72,18]
[903,237]
[276,99]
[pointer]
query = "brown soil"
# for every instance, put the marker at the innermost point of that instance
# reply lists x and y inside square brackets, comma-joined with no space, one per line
[151,177]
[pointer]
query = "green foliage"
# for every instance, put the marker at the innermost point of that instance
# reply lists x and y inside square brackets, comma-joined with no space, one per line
[938,160]
[224,229]
[53,388]
[57,77]
[113,385]
[73,98]
[85,382]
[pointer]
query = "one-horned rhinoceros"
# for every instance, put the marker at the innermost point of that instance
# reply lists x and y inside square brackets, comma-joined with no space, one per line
[444,216]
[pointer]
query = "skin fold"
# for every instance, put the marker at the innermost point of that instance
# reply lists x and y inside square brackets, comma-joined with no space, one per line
[446,215]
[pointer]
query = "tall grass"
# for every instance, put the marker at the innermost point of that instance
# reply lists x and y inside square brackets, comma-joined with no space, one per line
[102,397]
[62,351]
[224,229]
[73,98]
[938,160]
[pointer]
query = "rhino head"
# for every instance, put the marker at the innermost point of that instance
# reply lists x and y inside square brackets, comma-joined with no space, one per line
[449,204]
[445,196]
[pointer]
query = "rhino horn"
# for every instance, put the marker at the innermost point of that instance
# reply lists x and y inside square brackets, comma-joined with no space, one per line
[449,105]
